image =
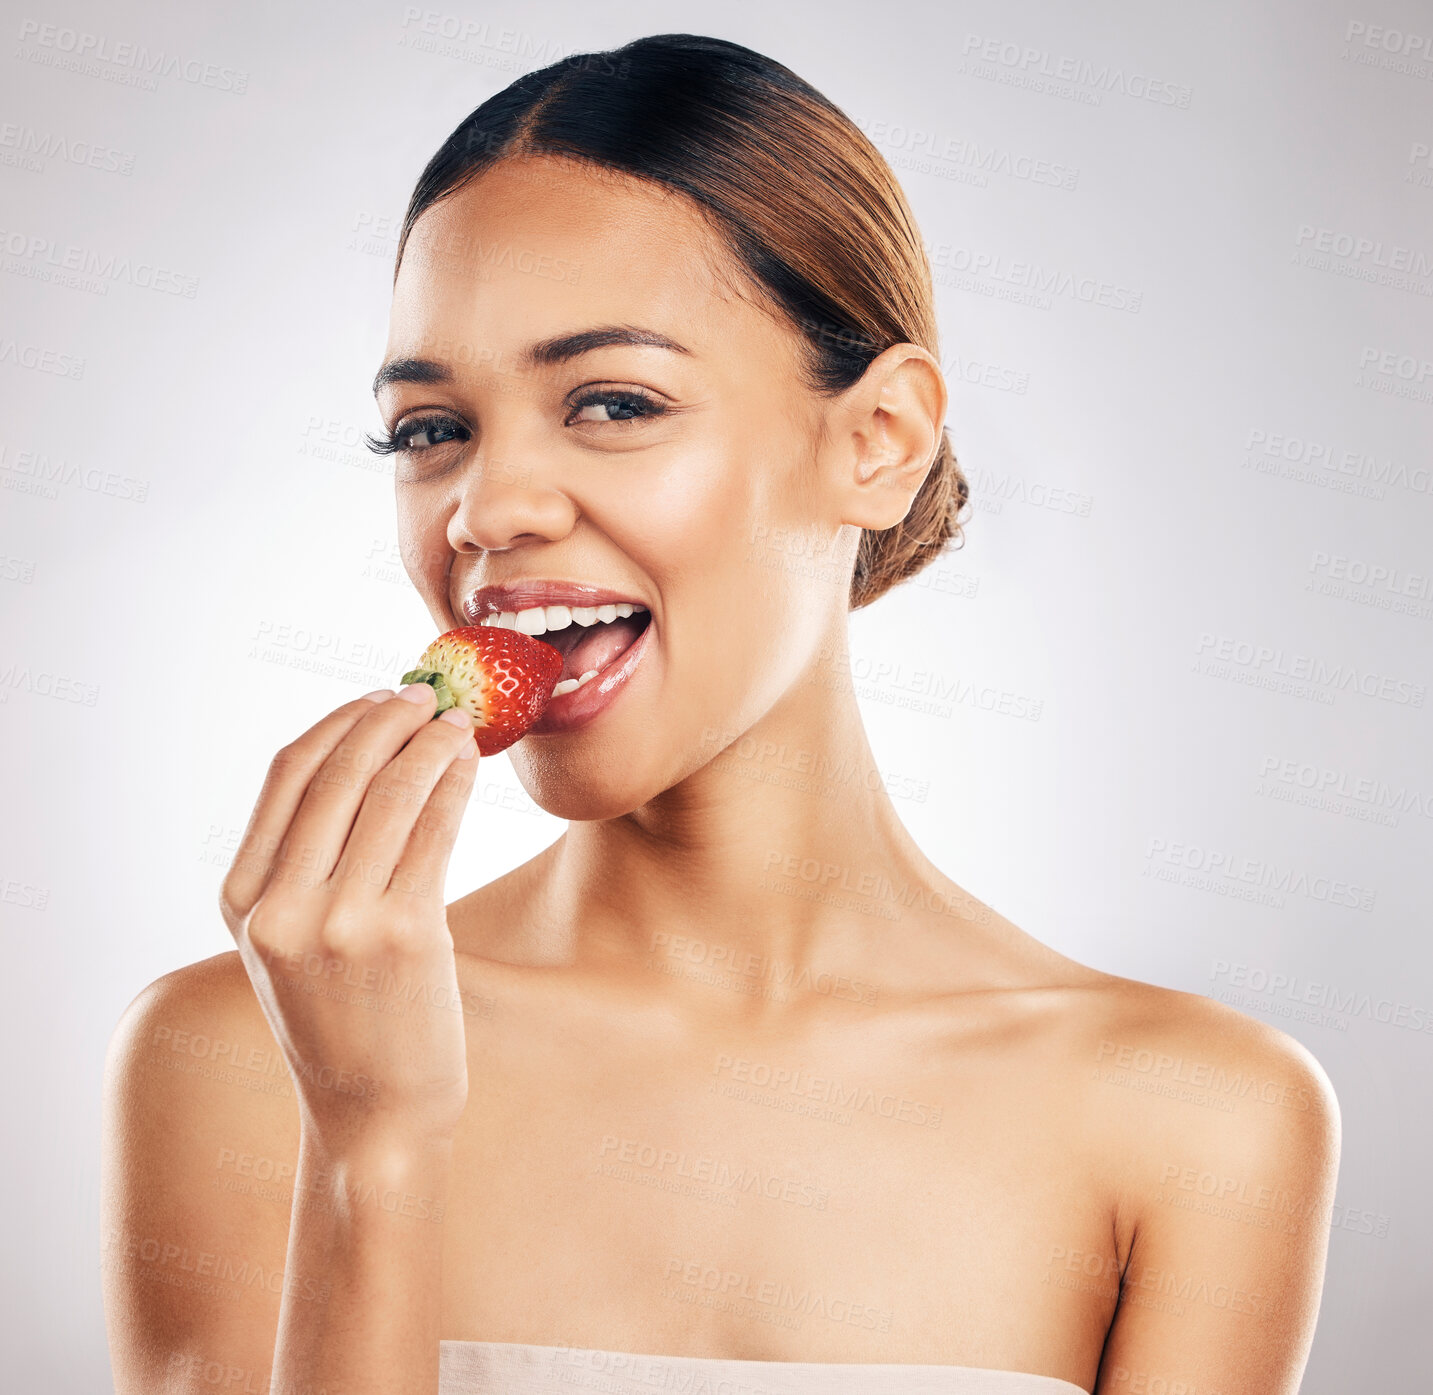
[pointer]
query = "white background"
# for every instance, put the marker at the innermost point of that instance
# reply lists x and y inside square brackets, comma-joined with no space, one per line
[1134,520]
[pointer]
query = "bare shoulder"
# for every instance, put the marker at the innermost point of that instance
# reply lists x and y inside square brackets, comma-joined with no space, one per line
[217,982]
[200,1150]
[1219,1138]
[1153,1067]
[1185,1082]
[194,1031]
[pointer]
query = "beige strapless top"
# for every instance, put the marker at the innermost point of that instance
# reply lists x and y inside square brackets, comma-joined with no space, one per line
[521,1368]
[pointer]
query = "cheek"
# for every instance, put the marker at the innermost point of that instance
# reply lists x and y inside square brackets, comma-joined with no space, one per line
[423,543]
[699,517]
[702,529]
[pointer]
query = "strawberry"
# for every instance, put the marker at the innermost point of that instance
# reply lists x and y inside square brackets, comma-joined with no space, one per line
[501,678]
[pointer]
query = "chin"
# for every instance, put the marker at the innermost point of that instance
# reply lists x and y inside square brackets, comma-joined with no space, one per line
[602,782]
[623,760]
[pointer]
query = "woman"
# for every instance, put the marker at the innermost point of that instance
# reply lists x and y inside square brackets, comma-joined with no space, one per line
[730,1088]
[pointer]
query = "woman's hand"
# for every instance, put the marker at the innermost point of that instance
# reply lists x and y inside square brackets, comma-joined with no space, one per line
[335,899]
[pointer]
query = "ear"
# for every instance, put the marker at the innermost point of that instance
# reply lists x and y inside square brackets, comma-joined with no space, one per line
[885,432]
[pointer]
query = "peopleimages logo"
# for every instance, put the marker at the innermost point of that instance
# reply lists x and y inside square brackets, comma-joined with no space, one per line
[58,46]
[1358,248]
[1024,66]
[1395,50]
[714,1171]
[33,148]
[1346,1002]
[1212,866]
[1389,363]
[22,678]
[1328,785]
[991,273]
[1202,1075]
[41,360]
[34,472]
[1264,665]
[1377,585]
[916,148]
[1395,374]
[43,259]
[1324,462]
[1378,575]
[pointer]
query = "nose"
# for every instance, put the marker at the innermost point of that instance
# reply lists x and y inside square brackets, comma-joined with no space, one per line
[501,505]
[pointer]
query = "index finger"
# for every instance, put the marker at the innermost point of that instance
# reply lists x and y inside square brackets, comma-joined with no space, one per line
[424,862]
[288,777]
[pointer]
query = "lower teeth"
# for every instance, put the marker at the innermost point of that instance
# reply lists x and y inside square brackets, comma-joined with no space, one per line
[571,685]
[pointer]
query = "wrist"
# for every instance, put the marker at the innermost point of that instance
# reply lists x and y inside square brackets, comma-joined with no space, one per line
[371,1178]
[388,1151]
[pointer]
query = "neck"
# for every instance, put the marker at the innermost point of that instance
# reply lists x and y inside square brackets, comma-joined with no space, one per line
[784,845]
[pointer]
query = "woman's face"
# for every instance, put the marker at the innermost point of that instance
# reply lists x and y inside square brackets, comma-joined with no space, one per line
[685,479]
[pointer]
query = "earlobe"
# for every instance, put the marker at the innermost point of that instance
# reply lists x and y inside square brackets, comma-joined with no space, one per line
[899,414]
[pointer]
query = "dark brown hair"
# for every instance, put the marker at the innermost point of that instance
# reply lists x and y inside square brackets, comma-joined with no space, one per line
[805,203]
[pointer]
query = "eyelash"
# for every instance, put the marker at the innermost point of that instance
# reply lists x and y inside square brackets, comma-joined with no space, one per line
[396,442]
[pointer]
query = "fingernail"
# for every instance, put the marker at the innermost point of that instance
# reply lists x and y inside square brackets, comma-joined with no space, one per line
[380,695]
[457,717]
[468,750]
[417,692]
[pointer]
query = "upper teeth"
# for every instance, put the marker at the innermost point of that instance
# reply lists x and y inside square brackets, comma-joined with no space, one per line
[540,620]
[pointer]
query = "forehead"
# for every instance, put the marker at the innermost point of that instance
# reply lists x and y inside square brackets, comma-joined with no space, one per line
[537,245]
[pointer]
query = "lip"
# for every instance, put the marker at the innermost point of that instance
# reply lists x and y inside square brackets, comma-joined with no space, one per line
[577,708]
[523,595]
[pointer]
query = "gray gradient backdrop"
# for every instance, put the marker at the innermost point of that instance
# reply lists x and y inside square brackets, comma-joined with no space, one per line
[1168,709]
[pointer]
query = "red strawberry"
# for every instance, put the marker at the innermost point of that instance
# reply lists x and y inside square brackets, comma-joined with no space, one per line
[502,679]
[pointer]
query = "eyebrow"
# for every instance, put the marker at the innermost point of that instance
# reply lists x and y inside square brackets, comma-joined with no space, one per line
[543,354]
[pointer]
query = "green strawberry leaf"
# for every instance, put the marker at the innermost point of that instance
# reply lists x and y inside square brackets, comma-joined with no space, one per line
[437,682]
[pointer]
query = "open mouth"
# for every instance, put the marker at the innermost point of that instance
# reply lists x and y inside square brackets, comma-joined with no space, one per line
[589,638]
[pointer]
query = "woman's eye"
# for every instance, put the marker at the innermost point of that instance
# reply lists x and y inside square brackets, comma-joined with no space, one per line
[420,434]
[610,406]
[428,432]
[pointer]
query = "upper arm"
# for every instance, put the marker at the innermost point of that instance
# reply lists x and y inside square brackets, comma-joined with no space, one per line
[200,1145]
[1231,1184]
